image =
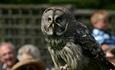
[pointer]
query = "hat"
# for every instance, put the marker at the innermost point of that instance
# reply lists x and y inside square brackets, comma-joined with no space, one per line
[28,63]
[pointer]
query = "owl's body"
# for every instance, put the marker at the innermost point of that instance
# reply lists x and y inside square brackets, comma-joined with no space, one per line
[69,42]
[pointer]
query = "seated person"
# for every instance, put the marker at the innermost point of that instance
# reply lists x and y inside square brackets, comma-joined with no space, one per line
[101,32]
[29,59]
[7,55]
[29,49]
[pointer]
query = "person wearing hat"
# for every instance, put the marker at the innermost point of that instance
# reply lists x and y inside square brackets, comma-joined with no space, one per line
[101,32]
[29,59]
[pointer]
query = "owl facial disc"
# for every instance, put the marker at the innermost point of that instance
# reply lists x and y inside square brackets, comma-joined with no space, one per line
[54,22]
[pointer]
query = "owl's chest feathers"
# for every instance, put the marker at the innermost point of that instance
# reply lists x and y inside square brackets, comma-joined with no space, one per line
[58,43]
[71,55]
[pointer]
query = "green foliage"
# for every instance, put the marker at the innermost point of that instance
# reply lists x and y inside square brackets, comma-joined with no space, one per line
[23,1]
[78,3]
[95,4]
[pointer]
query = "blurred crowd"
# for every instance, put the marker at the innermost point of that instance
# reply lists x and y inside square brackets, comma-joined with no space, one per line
[28,56]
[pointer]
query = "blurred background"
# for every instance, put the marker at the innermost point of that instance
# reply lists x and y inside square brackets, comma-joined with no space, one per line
[20,19]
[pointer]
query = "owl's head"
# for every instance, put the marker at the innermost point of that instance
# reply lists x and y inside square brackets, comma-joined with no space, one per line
[55,21]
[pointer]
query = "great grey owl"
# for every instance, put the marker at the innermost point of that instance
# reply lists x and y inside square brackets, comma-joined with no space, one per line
[69,42]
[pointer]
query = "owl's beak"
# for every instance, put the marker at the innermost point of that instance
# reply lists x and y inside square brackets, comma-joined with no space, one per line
[50,25]
[50,28]
[54,27]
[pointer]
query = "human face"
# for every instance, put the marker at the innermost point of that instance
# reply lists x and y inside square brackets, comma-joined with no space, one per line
[102,24]
[7,54]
